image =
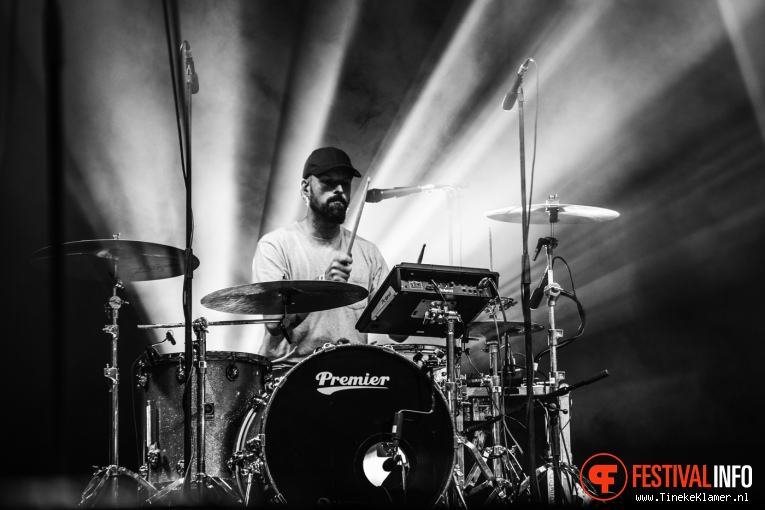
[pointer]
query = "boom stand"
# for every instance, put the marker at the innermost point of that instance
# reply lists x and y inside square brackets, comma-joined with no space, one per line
[108,476]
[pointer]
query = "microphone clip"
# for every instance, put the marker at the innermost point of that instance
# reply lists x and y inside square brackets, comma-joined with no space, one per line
[550,242]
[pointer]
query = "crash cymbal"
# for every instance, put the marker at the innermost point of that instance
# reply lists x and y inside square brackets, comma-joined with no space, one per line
[271,298]
[540,214]
[136,261]
[512,328]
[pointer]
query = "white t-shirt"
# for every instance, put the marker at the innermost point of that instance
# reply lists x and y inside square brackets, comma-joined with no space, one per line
[291,253]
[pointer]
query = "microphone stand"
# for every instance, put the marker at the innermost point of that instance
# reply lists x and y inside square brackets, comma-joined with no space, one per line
[187,290]
[530,458]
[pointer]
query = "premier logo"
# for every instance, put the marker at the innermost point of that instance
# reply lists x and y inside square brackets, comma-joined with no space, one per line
[329,383]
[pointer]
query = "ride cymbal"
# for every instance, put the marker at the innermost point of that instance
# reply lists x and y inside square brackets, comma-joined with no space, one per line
[540,214]
[284,296]
[96,259]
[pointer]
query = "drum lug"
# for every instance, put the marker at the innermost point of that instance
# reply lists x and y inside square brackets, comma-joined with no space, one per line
[152,455]
[180,373]
[180,467]
[249,460]
[256,444]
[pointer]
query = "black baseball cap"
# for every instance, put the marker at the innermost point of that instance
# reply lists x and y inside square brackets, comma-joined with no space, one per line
[327,158]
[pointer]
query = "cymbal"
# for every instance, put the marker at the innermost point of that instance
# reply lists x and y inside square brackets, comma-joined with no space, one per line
[284,296]
[479,360]
[512,328]
[136,261]
[540,214]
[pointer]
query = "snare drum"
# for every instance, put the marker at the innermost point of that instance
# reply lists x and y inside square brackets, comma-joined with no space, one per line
[325,434]
[234,380]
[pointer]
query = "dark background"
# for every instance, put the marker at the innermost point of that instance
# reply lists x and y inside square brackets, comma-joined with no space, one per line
[672,288]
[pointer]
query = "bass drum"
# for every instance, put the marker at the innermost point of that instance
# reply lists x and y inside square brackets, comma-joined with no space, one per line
[234,382]
[325,435]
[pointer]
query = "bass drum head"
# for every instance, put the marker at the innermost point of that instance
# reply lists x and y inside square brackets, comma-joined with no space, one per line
[328,424]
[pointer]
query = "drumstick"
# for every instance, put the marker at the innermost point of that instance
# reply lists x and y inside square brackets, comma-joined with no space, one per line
[362,199]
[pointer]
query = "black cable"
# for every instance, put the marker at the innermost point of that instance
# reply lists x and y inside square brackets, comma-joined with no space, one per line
[174,75]
[534,150]
[582,314]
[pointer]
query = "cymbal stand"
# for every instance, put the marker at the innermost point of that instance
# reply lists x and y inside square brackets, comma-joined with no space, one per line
[203,482]
[441,313]
[505,463]
[553,291]
[108,476]
[200,329]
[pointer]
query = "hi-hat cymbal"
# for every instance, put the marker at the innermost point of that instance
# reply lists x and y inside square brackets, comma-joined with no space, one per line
[284,296]
[540,214]
[478,362]
[135,261]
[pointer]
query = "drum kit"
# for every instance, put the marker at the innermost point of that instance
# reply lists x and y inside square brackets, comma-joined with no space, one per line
[378,425]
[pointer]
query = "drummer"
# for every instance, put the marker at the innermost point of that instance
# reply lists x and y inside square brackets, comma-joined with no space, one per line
[315,248]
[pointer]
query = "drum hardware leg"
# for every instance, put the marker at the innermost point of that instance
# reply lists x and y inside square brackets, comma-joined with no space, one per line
[250,464]
[456,488]
[210,482]
[105,475]
[249,488]
[109,476]
[553,291]
[200,329]
[443,314]
[482,466]
[175,485]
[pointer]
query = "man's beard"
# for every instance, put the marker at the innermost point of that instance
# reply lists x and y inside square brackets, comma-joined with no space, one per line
[333,210]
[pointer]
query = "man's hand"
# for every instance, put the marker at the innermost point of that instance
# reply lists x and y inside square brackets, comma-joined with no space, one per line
[339,269]
[291,321]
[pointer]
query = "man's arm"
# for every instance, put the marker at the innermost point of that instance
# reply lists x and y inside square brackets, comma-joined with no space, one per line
[268,265]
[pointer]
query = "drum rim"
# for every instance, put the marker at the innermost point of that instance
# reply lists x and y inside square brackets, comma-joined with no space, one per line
[438,396]
[211,355]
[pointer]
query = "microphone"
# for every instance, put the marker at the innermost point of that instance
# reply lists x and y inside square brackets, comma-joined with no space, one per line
[398,424]
[190,67]
[536,296]
[543,241]
[376,195]
[512,94]
[169,337]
